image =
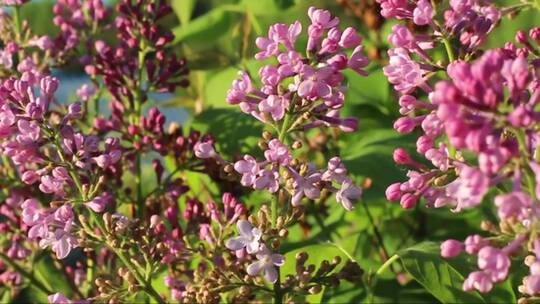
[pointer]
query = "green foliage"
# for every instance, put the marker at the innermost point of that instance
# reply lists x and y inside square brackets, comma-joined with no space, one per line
[444,278]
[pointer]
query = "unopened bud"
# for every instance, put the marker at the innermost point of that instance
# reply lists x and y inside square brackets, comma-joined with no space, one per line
[301,257]
[228,168]
[315,289]
[267,135]
[262,145]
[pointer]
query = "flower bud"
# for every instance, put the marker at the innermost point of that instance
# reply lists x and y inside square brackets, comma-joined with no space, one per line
[408,200]
[393,192]
[451,248]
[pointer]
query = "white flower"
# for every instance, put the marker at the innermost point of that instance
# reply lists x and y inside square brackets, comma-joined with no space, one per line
[266,262]
[347,193]
[249,237]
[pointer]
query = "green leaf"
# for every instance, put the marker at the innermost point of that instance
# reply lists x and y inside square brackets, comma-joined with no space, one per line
[204,31]
[50,276]
[267,7]
[373,89]
[235,132]
[29,295]
[444,278]
[183,9]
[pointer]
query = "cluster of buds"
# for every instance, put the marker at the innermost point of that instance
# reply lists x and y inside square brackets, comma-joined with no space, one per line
[140,61]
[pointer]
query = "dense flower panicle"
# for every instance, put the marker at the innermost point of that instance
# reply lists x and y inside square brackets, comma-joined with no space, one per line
[476,127]
[317,84]
[317,87]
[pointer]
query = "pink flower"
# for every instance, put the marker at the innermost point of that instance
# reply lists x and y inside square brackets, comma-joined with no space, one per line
[451,248]
[267,262]
[249,168]
[474,243]
[494,262]
[403,72]
[58,298]
[335,171]
[275,105]
[7,120]
[358,61]
[469,188]
[278,33]
[99,203]
[314,83]
[513,205]
[423,13]
[350,38]
[85,92]
[278,152]
[478,280]
[204,150]
[402,37]
[320,20]
[240,88]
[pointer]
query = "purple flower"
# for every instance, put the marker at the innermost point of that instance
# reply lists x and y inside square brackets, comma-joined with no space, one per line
[249,168]
[403,72]
[402,37]
[45,43]
[305,186]
[275,105]
[249,238]
[267,262]
[358,61]
[7,120]
[348,191]
[314,83]
[61,242]
[473,243]
[395,8]
[494,262]
[31,212]
[320,20]
[240,89]
[350,38]
[98,203]
[336,170]
[267,179]
[278,152]
[86,91]
[58,298]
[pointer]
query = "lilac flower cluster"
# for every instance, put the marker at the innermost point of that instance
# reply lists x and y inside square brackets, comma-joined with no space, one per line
[317,80]
[313,99]
[58,167]
[477,128]
[297,94]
